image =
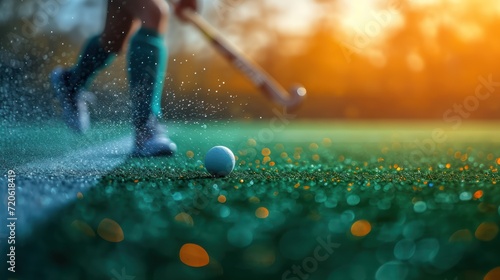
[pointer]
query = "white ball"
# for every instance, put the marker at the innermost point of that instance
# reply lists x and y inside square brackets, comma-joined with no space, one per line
[219,161]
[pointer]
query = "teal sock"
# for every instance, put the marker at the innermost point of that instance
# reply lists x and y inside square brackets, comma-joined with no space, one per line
[147,60]
[92,58]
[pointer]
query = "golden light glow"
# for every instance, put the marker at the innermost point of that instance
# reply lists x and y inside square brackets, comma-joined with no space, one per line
[415,62]
[79,195]
[433,50]
[193,255]
[266,152]
[110,230]
[464,157]
[356,12]
[313,146]
[266,160]
[190,154]
[251,142]
[326,142]
[254,199]
[415,41]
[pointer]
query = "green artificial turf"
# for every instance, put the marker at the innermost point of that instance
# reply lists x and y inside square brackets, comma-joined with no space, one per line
[422,213]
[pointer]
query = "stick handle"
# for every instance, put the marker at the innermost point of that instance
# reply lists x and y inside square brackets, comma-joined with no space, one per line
[258,76]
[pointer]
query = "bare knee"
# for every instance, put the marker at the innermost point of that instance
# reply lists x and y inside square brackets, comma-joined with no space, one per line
[154,14]
[119,25]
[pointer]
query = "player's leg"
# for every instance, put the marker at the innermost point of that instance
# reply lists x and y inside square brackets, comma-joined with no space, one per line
[147,59]
[97,53]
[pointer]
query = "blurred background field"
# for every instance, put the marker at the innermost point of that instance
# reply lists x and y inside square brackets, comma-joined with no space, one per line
[385,59]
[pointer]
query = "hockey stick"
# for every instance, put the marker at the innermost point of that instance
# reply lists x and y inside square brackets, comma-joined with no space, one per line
[258,76]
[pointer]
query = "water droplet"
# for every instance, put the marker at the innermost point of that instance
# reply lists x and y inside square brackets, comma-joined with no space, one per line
[420,207]
[177,196]
[332,203]
[240,236]
[392,270]
[335,225]
[347,216]
[320,198]
[414,230]
[353,200]
[426,250]
[224,212]
[404,249]
[464,196]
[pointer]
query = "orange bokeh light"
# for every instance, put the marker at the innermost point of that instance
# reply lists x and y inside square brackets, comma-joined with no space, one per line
[262,212]
[486,231]
[493,274]
[193,255]
[361,228]
[478,194]
[110,230]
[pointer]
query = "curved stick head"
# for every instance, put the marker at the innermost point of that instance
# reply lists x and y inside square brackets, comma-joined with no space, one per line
[297,94]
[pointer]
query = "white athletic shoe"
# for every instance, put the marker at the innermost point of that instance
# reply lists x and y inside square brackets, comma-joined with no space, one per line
[74,107]
[152,141]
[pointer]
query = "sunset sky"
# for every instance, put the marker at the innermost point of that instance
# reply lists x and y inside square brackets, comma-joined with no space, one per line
[394,59]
